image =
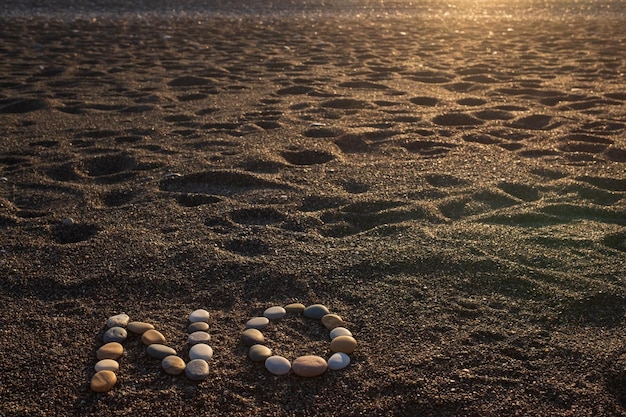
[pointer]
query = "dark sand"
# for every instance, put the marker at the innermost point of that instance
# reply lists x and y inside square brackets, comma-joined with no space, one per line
[453,187]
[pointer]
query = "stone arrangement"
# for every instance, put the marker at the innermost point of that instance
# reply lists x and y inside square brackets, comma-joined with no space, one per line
[118,327]
[342,342]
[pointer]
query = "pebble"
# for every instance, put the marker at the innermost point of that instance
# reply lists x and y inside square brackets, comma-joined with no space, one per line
[275,313]
[160,351]
[119,320]
[115,334]
[257,323]
[199,326]
[339,331]
[201,351]
[346,344]
[277,365]
[112,350]
[103,381]
[338,361]
[173,365]
[295,308]
[197,369]
[68,221]
[315,311]
[252,337]
[139,327]
[309,366]
[199,315]
[107,365]
[198,337]
[330,321]
[152,336]
[259,353]
[3,179]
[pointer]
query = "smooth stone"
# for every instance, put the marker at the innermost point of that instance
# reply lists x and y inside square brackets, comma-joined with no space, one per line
[201,351]
[107,365]
[112,350]
[330,321]
[199,326]
[258,353]
[152,336]
[68,221]
[275,313]
[173,365]
[252,337]
[159,351]
[277,365]
[199,315]
[295,308]
[119,320]
[257,323]
[315,311]
[345,344]
[139,327]
[339,331]
[338,361]
[197,369]
[309,366]
[103,381]
[115,334]
[198,337]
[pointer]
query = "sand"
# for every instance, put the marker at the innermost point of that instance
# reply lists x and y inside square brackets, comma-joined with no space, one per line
[453,187]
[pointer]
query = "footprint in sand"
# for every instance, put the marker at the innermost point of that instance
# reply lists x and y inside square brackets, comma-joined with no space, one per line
[428,148]
[536,122]
[218,182]
[23,105]
[456,119]
[66,233]
[308,157]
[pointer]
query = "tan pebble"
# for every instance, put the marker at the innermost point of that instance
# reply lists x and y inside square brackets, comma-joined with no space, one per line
[309,366]
[295,308]
[257,323]
[152,336]
[173,365]
[139,327]
[112,350]
[345,344]
[199,326]
[258,353]
[107,365]
[103,381]
[330,321]
[252,337]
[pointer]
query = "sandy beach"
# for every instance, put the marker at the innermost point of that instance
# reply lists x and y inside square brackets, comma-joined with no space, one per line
[453,186]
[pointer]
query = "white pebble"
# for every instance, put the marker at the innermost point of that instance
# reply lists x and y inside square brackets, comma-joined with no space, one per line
[119,320]
[275,313]
[197,369]
[278,365]
[198,337]
[339,331]
[201,351]
[338,361]
[199,315]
